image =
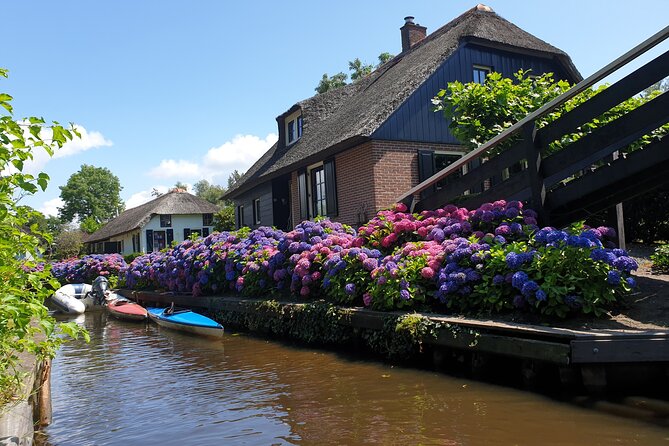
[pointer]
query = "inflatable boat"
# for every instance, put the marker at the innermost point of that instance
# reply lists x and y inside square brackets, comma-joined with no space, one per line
[75,298]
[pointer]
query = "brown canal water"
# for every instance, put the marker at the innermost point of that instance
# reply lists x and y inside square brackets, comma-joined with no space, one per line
[138,384]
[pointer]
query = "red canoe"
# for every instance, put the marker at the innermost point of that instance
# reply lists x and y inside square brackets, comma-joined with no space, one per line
[123,309]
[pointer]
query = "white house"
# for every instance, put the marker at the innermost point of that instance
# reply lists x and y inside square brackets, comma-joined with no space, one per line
[173,216]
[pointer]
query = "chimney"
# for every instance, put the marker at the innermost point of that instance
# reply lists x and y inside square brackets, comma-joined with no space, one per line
[412,33]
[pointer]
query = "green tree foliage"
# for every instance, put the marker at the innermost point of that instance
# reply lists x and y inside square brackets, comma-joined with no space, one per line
[477,113]
[328,83]
[89,225]
[384,57]
[91,192]
[233,178]
[24,282]
[68,243]
[180,185]
[359,69]
[224,220]
[211,192]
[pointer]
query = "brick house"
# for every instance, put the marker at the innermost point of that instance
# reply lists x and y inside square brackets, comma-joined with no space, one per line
[152,226]
[351,151]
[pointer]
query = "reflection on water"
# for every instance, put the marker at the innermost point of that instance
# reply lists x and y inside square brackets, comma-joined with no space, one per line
[136,384]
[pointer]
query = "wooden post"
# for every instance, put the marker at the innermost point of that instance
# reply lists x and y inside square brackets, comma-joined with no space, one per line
[536,180]
[44,409]
[620,218]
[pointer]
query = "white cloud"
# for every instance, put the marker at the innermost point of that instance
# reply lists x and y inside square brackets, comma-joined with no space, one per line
[175,169]
[144,196]
[218,163]
[88,140]
[50,207]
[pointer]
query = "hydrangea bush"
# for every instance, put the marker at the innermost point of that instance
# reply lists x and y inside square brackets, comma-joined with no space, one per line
[87,268]
[490,259]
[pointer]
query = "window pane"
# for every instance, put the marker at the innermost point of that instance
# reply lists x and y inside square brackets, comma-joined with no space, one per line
[442,161]
[291,131]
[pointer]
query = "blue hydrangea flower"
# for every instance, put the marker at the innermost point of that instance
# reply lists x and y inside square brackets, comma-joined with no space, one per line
[518,279]
[613,277]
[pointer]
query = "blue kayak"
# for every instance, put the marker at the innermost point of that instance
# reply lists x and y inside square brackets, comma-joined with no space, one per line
[185,320]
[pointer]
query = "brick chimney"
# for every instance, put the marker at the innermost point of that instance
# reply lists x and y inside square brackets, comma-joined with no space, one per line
[412,33]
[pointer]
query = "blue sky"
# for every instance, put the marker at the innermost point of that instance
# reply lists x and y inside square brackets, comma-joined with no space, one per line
[169,91]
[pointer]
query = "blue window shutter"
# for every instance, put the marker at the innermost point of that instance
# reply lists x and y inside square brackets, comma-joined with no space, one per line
[149,240]
[186,233]
[170,236]
[330,187]
[205,232]
[425,168]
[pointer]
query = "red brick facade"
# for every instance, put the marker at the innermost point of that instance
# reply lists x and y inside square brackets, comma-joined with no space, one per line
[370,177]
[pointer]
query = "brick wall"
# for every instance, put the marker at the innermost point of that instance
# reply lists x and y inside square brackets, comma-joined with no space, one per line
[355,186]
[396,168]
[370,177]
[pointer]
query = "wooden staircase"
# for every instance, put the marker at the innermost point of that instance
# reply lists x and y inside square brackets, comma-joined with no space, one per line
[589,175]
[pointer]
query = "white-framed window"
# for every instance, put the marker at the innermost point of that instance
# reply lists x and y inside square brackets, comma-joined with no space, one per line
[293,127]
[480,72]
[256,211]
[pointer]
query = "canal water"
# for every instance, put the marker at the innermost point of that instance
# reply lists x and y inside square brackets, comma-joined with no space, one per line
[138,384]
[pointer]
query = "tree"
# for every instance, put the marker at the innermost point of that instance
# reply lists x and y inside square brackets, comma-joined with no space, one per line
[68,244]
[479,112]
[328,83]
[233,178]
[384,57]
[210,192]
[89,225]
[92,192]
[25,324]
[224,220]
[180,185]
[359,69]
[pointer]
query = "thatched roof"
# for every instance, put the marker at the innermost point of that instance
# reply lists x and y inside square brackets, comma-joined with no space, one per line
[175,202]
[348,115]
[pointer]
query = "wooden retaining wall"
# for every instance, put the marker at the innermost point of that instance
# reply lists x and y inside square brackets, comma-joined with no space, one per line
[582,357]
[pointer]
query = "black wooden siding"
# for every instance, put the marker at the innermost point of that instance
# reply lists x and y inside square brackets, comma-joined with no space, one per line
[415,121]
[264,192]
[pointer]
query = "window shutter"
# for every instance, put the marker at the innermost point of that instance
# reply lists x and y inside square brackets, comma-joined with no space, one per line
[170,236]
[186,233]
[149,240]
[425,168]
[205,232]
[302,192]
[330,187]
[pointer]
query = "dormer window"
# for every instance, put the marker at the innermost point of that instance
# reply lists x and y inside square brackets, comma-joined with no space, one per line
[293,127]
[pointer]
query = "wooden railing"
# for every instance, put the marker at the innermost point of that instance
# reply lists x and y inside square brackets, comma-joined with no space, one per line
[585,176]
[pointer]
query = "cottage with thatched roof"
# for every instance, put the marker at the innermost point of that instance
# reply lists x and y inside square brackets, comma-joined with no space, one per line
[173,216]
[350,151]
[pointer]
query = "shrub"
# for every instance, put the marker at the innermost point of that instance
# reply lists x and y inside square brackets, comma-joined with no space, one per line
[490,259]
[660,259]
[87,268]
